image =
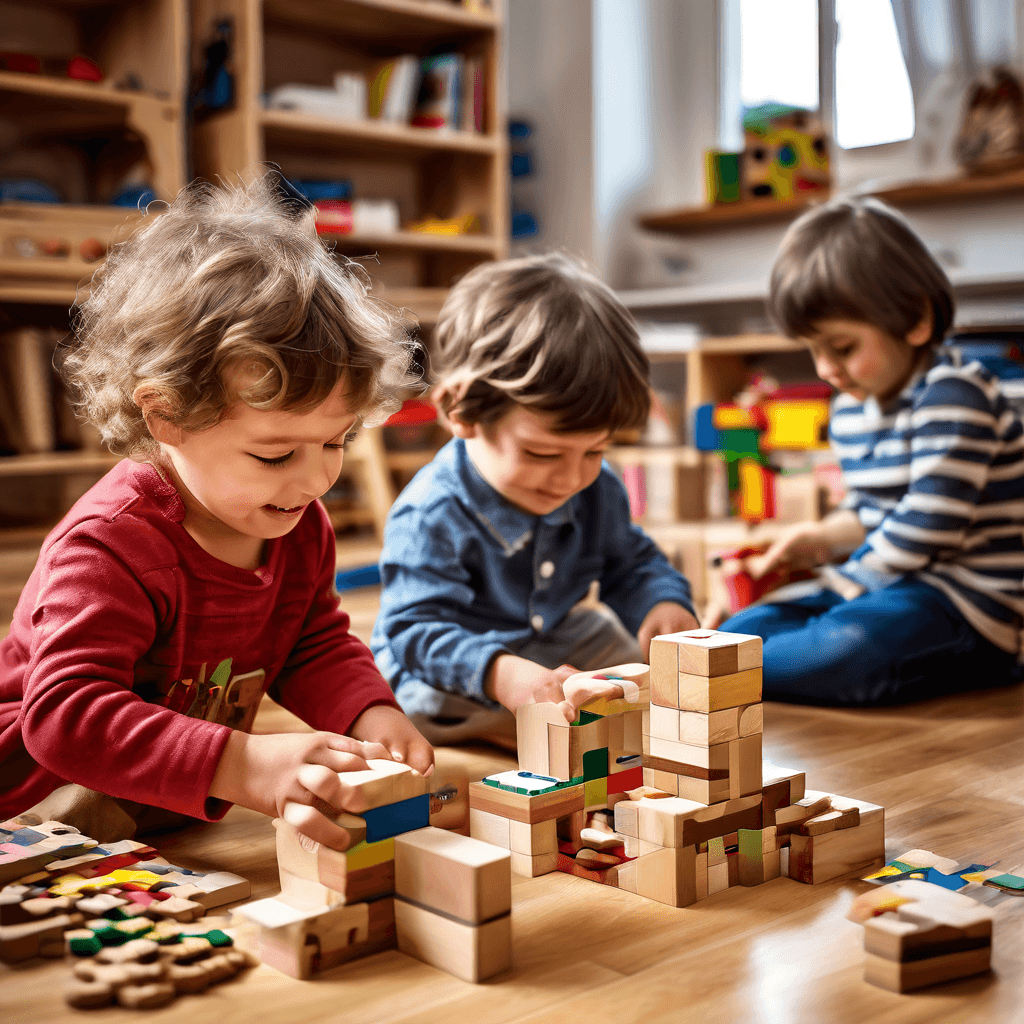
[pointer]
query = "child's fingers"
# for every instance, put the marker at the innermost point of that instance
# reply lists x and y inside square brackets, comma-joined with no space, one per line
[340,761]
[366,749]
[310,822]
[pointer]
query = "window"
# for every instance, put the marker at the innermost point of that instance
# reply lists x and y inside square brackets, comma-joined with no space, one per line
[778,43]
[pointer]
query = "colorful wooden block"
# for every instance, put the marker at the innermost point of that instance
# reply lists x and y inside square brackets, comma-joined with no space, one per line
[394,819]
[384,782]
[531,809]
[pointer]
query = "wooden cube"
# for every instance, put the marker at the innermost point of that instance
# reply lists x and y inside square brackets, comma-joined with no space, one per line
[668,876]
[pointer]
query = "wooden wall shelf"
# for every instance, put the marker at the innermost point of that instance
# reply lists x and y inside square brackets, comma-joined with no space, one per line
[693,219]
[368,19]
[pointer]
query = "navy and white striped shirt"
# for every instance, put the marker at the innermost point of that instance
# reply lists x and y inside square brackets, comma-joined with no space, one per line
[937,479]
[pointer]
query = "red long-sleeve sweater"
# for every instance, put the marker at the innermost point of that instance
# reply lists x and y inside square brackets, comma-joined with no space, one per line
[132,650]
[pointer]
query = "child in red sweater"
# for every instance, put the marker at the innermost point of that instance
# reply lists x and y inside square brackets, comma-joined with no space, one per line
[231,357]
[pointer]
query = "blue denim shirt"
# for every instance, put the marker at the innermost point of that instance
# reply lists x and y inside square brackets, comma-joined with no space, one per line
[467,576]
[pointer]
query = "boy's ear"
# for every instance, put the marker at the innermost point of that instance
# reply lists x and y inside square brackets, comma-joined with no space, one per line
[155,413]
[460,428]
[921,334]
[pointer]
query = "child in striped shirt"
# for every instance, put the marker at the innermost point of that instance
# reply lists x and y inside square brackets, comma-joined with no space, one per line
[931,599]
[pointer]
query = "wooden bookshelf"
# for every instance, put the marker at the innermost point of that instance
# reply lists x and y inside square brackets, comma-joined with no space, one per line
[694,219]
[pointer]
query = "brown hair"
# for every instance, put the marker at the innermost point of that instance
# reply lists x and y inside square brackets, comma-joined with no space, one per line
[857,259]
[226,278]
[543,332]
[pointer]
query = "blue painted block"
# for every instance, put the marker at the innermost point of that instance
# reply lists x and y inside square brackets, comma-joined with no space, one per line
[394,819]
[705,436]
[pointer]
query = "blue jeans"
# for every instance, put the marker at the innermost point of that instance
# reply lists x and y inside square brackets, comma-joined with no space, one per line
[902,643]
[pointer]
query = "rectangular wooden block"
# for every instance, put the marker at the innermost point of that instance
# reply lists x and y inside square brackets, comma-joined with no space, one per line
[531,867]
[393,819]
[772,773]
[704,694]
[519,807]
[905,977]
[385,782]
[623,782]
[773,796]
[701,876]
[665,723]
[713,653]
[679,822]
[704,791]
[668,876]
[469,952]
[851,852]
[453,875]
[707,730]
[565,751]
[595,794]
[745,766]
[664,782]
[490,828]
[718,877]
[714,758]
[751,719]
[533,840]
[664,658]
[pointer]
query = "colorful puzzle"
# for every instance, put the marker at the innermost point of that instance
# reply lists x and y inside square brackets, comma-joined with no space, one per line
[59,879]
[663,791]
[441,897]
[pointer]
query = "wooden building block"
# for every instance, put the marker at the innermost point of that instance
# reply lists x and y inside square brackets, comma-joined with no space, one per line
[790,817]
[896,936]
[704,694]
[708,652]
[869,813]
[715,758]
[701,876]
[470,952]
[633,693]
[624,781]
[668,876]
[490,828]
[533,840]
[663,782]
[751,719]
[304,893]
[531,867]
[905,977]
[625,735]
[520,807]
[718,877]
[745,766]
[830,821]
[772,773]
[707,730]
[773,796]
[532,721]
[625,877]
[705,791]
[384,782]
[848,853]
[665,723]
[664,679]
[393,819]
[678,822]
[453,875]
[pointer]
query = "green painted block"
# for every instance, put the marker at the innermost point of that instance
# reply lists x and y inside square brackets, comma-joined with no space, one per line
[595,764]
[1008,881]
[750,842]
[85,946]
[586,717]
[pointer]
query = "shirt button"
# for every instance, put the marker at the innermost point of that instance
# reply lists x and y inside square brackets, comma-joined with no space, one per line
[537,622]
[546,569]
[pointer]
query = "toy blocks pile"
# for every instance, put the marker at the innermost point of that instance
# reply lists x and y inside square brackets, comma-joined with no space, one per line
[441,897]
[663,791]
[919,934]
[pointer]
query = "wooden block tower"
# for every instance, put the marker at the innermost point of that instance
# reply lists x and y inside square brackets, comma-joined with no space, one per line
[441,897]
[659,786]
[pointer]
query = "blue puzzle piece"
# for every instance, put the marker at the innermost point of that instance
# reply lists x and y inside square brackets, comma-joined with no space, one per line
[394,819]
[26,837]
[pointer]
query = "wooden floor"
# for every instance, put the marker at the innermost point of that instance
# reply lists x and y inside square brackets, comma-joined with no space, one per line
[948,772]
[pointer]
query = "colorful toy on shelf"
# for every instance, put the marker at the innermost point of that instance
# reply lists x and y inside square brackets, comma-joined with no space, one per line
[722,176]
[785,155]
[764,417]
[659,786]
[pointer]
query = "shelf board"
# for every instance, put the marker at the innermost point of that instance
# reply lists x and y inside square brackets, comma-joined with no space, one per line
[693,219]
[65,89]
[42,293]
[676,455]
[297,128]
[742,344]
[383,20]
[423,303]
[481,245]
[57,463]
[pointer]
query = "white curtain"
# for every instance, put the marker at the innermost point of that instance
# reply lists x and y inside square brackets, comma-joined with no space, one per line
[947,44]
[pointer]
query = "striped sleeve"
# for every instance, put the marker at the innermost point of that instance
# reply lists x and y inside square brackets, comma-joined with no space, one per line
[960,428]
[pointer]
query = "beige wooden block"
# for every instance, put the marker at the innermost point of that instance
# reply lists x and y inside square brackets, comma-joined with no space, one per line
[745,766]
[627,818]
[772,864]
[384,782]
[704,791]
[772,773]
[704,694]
[533,840]
[469,952]
[489,828]
[664,723]
[691,753]
[665,782]
[708,729]
[453,874]
[718,877]
[905,977]
[709,652]
[664,680]
[531,867]
[701,876]
[566,746]
[519,807]
[632,731]
[305,893]
[928,927]
[851,852]
[668,876]
[625,877]
[830,821]
[532,721]
[751,719]
[788,819]
[869,813]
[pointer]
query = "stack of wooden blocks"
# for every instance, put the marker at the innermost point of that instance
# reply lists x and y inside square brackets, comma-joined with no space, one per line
[663,791]
[436,895]
[924,934]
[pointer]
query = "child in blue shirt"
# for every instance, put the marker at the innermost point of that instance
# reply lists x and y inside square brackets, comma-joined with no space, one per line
[490,549]
[931,599]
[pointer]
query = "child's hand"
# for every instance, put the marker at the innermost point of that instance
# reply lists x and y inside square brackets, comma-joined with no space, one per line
[384,724]
[514,681]
[664,617]
[266,772]
[802,545]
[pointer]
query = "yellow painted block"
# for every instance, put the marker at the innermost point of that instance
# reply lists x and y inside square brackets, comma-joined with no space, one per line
[595,793]
[366,855]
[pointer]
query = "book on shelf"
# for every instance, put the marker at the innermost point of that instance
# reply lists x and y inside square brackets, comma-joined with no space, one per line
[473,95]
[393,89]
[439,99]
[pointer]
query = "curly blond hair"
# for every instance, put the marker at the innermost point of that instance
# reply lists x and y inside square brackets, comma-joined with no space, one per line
[229,277]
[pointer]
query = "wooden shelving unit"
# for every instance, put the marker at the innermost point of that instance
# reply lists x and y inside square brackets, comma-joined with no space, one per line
[136,114]
[437,173]
[693,219]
